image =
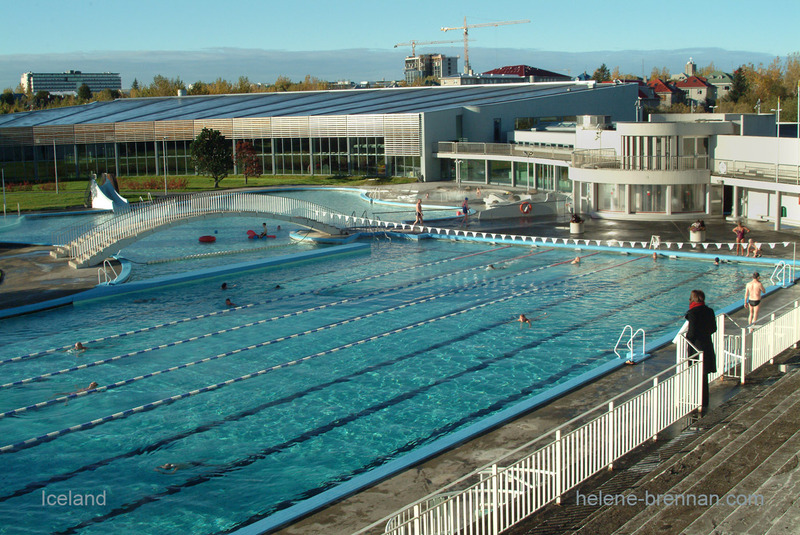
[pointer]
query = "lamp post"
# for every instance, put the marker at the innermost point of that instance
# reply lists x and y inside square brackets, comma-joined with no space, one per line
[777,138]
[458,173]
[55,163]
[164,146]
[3,173]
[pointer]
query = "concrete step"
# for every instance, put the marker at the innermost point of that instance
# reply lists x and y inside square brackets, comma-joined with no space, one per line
[722,460]
[762,497]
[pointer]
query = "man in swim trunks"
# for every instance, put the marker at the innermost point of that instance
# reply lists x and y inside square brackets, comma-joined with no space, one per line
[419,213]
[465,210]
[752,297]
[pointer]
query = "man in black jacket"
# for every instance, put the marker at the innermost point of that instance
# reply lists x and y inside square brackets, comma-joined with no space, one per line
[702,324]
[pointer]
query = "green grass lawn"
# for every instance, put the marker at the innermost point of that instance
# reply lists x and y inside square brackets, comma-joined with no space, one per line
[71,194]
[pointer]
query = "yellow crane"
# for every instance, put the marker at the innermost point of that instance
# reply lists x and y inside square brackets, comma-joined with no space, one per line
[413,44]
[466,28]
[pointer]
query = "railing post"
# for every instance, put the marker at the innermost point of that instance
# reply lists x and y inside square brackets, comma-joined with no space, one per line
[557,467]
[495,501]
[772,339]
[417,524]
[654,406]
[610,436]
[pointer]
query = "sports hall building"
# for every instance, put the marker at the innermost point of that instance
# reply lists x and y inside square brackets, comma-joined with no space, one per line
[391,132]
[582,139]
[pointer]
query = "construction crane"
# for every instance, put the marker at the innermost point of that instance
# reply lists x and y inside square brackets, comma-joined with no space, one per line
[466,28]
[413,44]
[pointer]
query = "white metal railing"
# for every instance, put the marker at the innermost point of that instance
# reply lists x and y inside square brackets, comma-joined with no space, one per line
[504,149]
[102,273]
[143,218]
[762,171]
[494,497]
[603,159]
[629,344]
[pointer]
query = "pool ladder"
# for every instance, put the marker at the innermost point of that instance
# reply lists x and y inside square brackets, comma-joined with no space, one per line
[102,273]
[629,344]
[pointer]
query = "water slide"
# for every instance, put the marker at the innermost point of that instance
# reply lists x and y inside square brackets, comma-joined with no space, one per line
[105,197]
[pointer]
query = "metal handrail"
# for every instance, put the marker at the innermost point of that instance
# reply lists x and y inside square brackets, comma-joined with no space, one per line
[630,343]
[780,273]
[104,271]
[394,522]
[149,217]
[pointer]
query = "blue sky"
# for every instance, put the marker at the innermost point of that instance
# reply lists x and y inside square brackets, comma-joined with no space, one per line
[140,38]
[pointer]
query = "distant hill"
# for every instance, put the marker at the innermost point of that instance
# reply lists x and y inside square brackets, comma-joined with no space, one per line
[352,64]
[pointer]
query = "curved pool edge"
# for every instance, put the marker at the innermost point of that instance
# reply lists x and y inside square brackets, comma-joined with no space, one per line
[103,291]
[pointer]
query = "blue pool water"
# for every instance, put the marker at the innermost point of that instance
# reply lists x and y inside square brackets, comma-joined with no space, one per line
[356,360]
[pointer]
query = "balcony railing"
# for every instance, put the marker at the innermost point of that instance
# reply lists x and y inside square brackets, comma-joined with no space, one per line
[505,149]
[608,159]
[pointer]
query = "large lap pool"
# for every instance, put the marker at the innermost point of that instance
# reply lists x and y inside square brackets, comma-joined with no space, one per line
[324,371]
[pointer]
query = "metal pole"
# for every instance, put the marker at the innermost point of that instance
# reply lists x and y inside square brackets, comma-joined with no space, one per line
[55,164]
[3,173]
[165,164]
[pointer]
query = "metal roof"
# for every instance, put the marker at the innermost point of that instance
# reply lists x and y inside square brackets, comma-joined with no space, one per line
[305,103]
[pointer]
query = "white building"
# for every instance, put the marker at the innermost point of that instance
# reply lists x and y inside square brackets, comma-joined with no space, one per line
[69,81]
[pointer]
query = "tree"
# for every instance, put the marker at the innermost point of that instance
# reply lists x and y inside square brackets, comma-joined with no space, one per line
[211,154]
[247,160]
[7,98]
[84,93]
[41,99]
[739,86]
[601,74]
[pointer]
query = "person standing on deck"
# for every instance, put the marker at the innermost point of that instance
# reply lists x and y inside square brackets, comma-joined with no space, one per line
[753,293]
[419,213]
[702,324]
[465,209]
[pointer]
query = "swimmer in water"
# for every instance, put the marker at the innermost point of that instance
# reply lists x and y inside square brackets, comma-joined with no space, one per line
[523,320]
[577,260]
[229,303]
[79,347]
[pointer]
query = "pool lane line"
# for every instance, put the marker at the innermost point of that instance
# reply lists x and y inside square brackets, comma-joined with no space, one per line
[104,388]
[268,301]
[149,406]
[242,326]
[341,422]
[150,448]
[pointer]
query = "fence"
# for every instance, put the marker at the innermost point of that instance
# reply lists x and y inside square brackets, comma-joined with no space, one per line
[504,149]
[86,241]
[494,497]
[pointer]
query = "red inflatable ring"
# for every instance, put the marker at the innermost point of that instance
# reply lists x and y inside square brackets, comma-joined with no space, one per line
[207,239]
[525,208]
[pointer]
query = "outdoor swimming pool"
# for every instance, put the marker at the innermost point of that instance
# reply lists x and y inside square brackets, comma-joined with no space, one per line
[356,360]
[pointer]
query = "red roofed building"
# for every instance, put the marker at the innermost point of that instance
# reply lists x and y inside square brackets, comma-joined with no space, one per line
[532,74]
[697,90]
[667,93]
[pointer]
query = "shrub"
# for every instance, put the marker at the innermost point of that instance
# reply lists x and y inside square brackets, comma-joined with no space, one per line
[48,186]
